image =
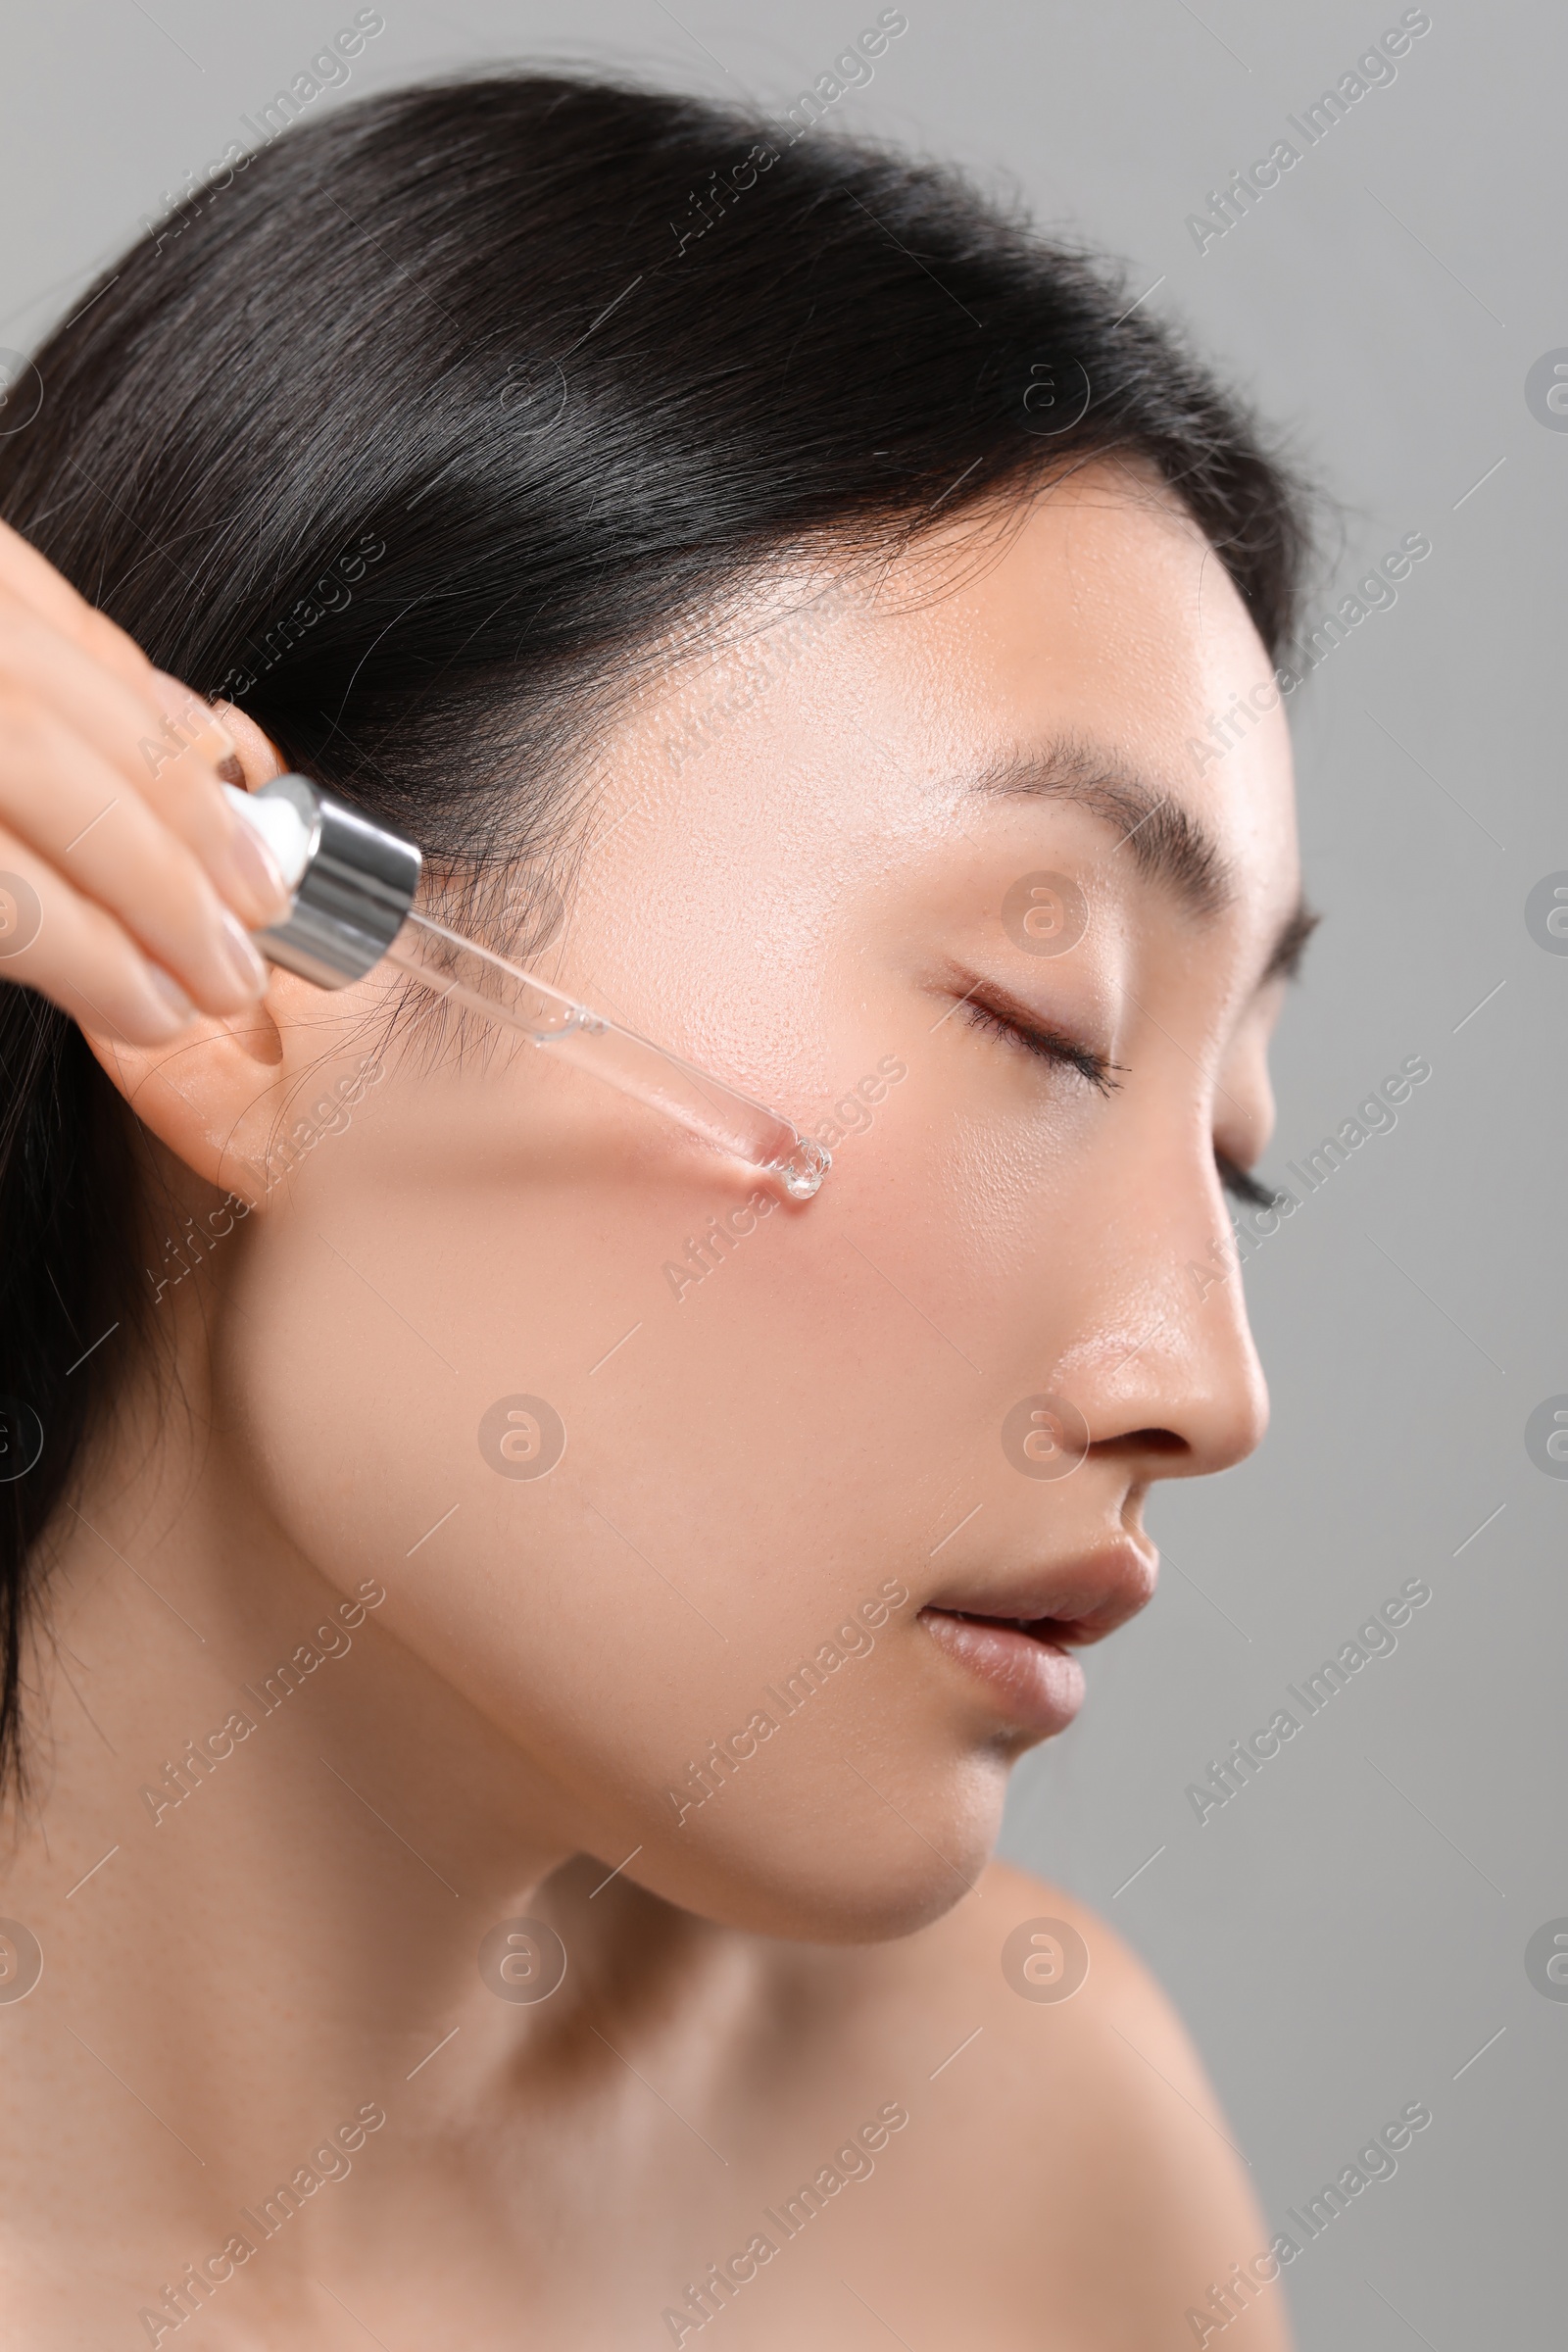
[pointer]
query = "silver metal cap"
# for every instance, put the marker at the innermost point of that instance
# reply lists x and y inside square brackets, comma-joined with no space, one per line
[356,883]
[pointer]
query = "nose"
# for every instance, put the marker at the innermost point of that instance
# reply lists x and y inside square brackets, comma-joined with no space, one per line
[1165,1372]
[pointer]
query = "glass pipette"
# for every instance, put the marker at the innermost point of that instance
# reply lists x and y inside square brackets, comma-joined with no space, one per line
[354,884]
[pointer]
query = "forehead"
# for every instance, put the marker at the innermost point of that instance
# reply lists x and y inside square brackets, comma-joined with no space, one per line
[1100,615]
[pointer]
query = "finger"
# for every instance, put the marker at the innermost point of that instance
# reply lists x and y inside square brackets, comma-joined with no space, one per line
[163,739]
[77,813]
[181,782]
[160,761]
[192,724]
[125,722]
[33,580]
[189,797]
[74,954]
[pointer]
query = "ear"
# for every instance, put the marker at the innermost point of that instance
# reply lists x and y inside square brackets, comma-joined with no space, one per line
[227,1094]
[240,1098]
[256,756]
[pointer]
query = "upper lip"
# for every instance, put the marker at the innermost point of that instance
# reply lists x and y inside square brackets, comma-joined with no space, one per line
[1073,1601]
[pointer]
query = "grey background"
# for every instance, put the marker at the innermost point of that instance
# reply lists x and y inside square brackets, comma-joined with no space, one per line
[1349,1931]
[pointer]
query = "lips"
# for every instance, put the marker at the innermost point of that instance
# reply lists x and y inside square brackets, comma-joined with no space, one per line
[1015,1633]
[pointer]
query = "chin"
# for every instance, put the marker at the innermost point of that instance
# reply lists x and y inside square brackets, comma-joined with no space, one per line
[834,1867]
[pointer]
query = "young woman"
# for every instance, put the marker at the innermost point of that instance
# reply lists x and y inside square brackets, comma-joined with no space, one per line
[517,1627]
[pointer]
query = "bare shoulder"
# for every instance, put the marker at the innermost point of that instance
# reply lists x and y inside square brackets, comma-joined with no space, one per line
[1063,2109]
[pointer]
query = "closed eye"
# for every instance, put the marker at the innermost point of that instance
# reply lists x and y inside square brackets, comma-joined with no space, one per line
[1049,1045]
[1052,1044]
[1241,1186]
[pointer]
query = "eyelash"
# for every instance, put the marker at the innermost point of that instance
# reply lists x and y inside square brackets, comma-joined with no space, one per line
[1049,1046]
[1242,1187]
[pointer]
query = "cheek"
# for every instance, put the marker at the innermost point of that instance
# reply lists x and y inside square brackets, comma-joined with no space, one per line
[717,1444]
[770,1415]
[742,1466]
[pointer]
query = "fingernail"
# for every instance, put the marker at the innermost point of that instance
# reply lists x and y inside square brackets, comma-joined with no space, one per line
[246,966]
[172,998]
[250,874]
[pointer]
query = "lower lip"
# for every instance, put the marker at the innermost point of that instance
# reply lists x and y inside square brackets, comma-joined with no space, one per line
[1041,1687]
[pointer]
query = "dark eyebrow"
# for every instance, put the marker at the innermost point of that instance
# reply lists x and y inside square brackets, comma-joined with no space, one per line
[1166,844]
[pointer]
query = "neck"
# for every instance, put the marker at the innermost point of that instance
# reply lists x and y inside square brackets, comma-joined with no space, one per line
[265,1845]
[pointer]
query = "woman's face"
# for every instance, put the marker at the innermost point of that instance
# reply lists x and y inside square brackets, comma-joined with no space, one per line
[852,871]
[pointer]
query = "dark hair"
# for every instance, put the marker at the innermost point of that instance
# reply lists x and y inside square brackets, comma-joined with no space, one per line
[417,435]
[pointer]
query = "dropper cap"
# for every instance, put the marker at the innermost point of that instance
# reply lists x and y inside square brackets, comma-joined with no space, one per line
[353,882]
